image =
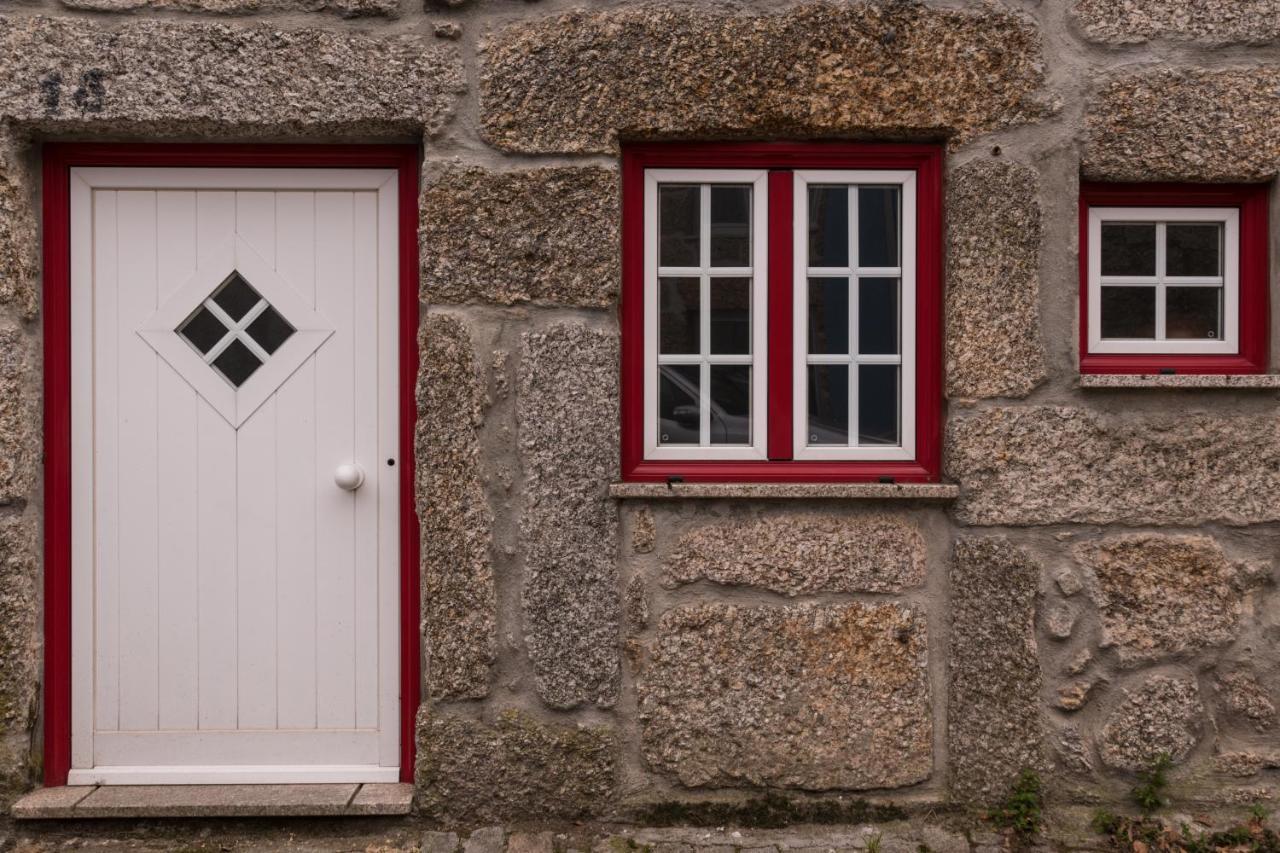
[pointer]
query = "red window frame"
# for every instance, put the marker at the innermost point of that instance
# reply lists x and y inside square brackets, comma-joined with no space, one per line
[58,160]
[781,158]
[1252,202]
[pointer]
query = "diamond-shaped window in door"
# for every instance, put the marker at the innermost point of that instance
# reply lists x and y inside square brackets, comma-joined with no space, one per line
[235,330]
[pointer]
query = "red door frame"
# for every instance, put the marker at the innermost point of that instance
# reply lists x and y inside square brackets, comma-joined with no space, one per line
[58,159]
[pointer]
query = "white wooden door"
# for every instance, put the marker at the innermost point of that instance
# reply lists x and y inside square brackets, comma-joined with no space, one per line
[235,609]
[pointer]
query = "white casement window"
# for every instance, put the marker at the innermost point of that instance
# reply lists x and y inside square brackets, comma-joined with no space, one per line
[854,315]
[1164,280]
[705,290]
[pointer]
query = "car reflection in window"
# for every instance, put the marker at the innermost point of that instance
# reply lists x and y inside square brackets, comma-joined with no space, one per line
[678,406]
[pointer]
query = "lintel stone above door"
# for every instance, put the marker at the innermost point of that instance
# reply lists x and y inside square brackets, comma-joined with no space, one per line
[234,395]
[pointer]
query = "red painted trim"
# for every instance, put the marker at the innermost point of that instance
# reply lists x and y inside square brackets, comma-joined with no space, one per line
[58,159]
[1255,312]
[926,161]
[781,237]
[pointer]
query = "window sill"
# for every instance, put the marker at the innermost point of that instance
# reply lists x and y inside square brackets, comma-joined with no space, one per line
[77,802]
[771,491]
[1185,381]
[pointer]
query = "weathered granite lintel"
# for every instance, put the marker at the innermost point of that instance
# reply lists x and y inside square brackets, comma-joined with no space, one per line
[770,491]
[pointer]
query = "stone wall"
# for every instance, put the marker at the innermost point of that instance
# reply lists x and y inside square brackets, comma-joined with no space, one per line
[1101,592]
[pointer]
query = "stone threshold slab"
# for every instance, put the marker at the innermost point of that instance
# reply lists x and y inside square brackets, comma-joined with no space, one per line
[77,802]
[770,491]
[1235,382]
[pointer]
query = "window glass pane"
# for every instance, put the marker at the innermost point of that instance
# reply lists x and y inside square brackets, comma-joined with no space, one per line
[1128,312]
[236,297]
[878,215]
[1193,248]
[828,226]
[730,226]
[1128,248]
[237,362]
[828,404]
[878,404]
[1193,313]
[269,330]
[679,218]
[829,316]
[678,315]
[731,316]
[203,330]
[730,404]
[678,392]
[878,316]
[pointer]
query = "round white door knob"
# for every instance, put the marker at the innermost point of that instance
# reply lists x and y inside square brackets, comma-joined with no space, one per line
[349,476]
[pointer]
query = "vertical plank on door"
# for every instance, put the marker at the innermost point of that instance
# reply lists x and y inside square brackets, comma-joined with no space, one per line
[216,473]
[139,607]
[256,517]
[335,541]
[365,339]
[106,688]
[176,455]
[296,479]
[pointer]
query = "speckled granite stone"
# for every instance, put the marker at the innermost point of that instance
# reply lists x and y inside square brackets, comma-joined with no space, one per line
[1243,695]
[794,554]
[539,235]
[567,408]
[343,8]
[18,243]
[1161,596]
[458,597]
[994,730]
[576,82]
[787,491]
[517,768]
[1185,125]
[1209,21]
[1191,382]
[1049,465]
[20,435]
[1162,716]
[811,697]
[19,642]
[993,280]
[177,78]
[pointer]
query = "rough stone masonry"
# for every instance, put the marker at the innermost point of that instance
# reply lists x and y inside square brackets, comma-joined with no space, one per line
[1101,592]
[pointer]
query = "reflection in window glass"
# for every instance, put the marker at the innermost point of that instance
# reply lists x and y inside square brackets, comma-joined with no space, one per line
[678,316]
[1128,312]
[679,418]
[679,220]
[829,316]
[1193,313]
[828,226]
[828,404]
[878,316]
[1193,248]
[730,316]
[878,217]
[878,404]
[730,404]
[1129,248]
[730,226]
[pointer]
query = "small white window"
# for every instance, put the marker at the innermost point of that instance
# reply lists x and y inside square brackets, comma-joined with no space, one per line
[1163,280]
[705,265]
[854,315]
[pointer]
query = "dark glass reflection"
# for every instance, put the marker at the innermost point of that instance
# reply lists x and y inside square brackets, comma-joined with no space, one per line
[1193,313]
[730,226]
[269,330]
[679,219]
[878,405]
[829,316]
[879,212]
[1128,248]
[236,297]
[237,362]
[678,414]
[731,316]
[1128,312]
[730,404]
[678,316]
[878,316]
[828,404]
[203,330]
[1193,248]
[828,226]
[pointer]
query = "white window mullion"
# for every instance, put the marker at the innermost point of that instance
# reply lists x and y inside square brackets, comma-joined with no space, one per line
[855,292]
[1161,272]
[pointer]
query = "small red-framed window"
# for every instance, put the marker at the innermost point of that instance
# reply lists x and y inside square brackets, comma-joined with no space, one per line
[781,312]
[1173,278]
